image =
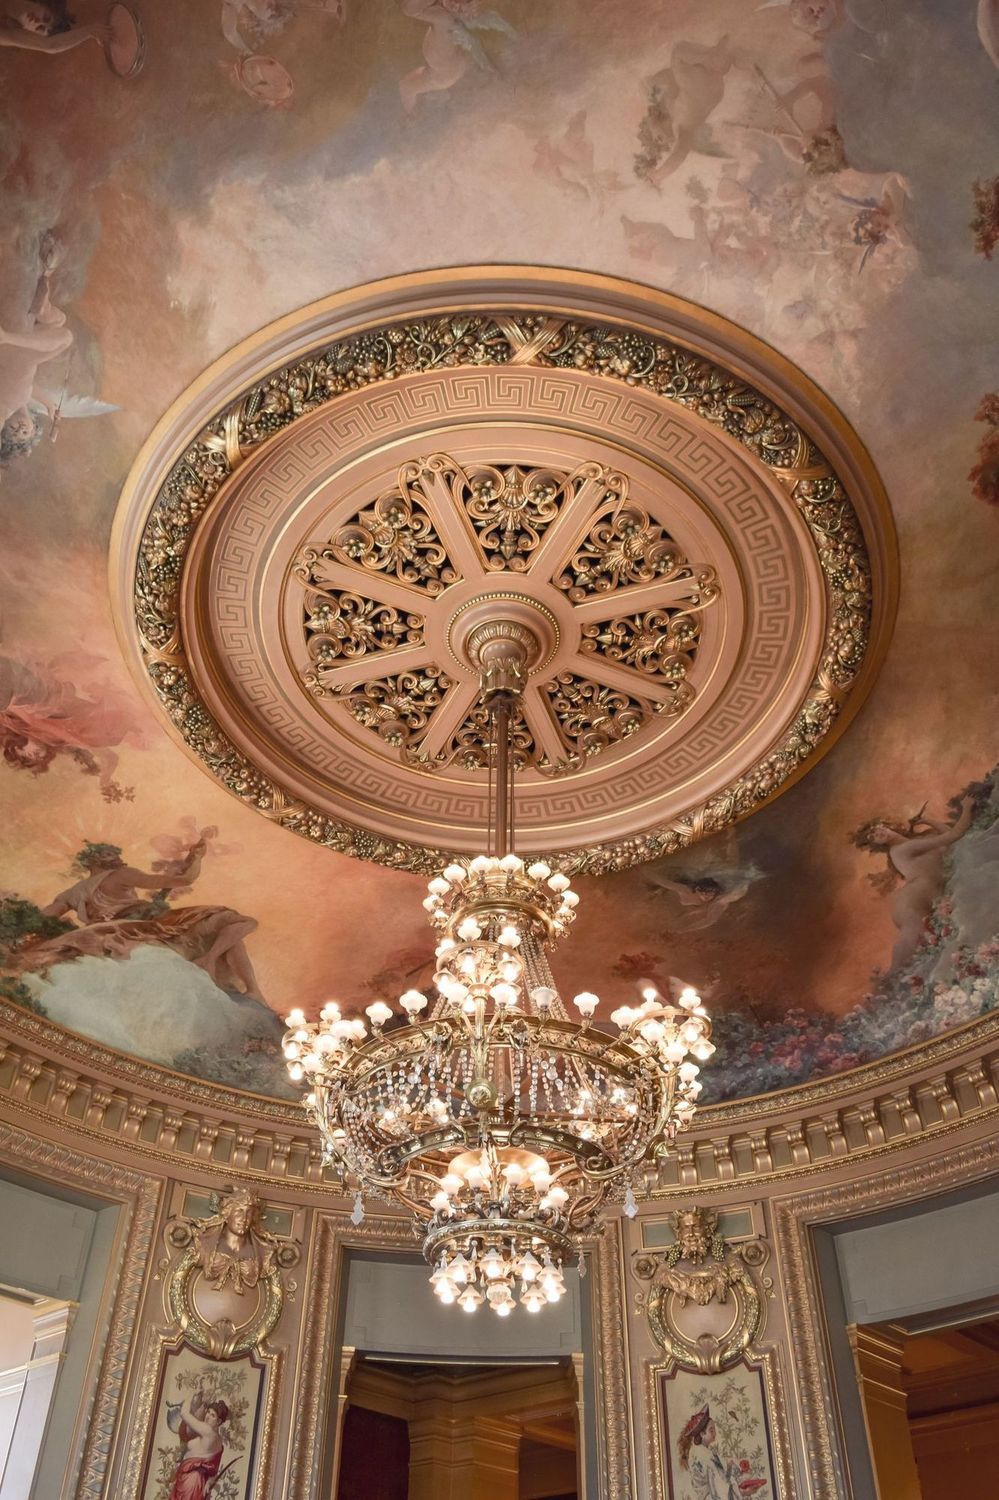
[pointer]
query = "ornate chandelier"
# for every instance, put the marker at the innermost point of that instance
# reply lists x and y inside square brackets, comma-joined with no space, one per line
[500,1123]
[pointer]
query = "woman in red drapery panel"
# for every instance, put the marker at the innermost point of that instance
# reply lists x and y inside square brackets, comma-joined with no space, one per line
[199,1432]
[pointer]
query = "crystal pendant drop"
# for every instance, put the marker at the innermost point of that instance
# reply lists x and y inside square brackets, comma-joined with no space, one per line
[357,1212]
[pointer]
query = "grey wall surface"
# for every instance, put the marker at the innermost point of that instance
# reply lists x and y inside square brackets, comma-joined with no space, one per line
[391,1309]
[58,1247]
[942,1256]
[44,1242]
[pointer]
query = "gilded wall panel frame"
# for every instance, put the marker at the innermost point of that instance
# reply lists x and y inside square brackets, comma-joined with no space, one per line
[111,1356]
[161,1346]
[795,1220]
[767,1365]
[313,1453]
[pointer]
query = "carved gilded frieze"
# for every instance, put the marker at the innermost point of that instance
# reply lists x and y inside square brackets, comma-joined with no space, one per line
[564,419]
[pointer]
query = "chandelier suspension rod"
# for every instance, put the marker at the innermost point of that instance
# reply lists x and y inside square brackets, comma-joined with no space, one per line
[502,717]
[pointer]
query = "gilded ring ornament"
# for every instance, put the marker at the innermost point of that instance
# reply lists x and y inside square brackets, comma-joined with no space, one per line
[304,527]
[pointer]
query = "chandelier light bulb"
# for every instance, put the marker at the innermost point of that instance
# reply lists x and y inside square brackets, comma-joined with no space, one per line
[514,1174]
[470,1299]
[586,1003]
[480,864]
[558,882]
[378,1013]
[543,996]
[689,998]
[440,1201]
[539,870]
[512,864]
[469,929]
[505,994]
[509,937]
[452,1183]
[455,874]
[492,1264]
[570,898]
[413,1001]
[558,1195]
[475,1177]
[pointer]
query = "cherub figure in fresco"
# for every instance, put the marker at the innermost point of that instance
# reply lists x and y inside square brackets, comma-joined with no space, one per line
[450,44]
[682,98]
[701,898]
[198,1423]
[802,119]
[113,918]
[915,851]
[23,403]
[567,160]
[50,711]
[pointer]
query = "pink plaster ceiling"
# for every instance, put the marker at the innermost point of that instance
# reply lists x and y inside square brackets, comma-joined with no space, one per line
[823,175]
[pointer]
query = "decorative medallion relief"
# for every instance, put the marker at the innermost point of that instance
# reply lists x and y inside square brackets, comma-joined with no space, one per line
[301,574]
[507,510]
[707,1299]
[225,1291]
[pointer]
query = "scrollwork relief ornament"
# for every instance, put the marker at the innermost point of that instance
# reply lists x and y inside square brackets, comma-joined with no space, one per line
[226,1291]
[506,507]
[698,1272]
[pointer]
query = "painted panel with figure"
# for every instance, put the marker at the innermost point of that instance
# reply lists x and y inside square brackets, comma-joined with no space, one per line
[206,1428]
[716,1440]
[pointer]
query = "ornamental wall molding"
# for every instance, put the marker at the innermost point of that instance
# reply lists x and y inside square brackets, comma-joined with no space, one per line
[794,1221]
[138,1197]
[701,1269]
[302,529]
[90,1097]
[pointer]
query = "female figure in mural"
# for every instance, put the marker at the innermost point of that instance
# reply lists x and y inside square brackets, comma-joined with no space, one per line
[915,853]
[712,1476]
[114,918]
[197,1471]
[45,26]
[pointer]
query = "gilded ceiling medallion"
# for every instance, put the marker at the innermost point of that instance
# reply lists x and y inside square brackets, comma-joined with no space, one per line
[692,535]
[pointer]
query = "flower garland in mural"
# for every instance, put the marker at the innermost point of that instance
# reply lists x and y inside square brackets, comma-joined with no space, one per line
[937,983]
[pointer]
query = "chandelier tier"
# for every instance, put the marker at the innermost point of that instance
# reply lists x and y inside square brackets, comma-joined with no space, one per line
[501,1124]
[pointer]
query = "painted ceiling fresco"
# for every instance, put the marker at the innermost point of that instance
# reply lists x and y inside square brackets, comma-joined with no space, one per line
[823,172]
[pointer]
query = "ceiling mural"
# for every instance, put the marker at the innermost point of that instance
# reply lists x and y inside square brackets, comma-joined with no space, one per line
[822,173]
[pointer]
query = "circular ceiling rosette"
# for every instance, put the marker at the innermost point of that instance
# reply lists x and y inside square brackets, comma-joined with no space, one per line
[692,532]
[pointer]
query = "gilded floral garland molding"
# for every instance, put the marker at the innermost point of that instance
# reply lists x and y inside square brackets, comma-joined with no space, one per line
[365,592]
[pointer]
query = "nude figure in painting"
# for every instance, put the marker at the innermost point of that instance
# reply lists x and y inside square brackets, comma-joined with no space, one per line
[198,1430]
[449,44]
[114,918]
[916,855]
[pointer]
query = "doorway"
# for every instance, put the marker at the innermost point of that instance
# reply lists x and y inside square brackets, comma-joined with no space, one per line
[423,1430]
[931,1403]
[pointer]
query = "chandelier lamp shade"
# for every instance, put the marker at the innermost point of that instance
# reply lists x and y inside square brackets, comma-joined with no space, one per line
[502,1120]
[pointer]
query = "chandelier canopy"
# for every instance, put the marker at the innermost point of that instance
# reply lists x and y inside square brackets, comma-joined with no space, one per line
[501,1124]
